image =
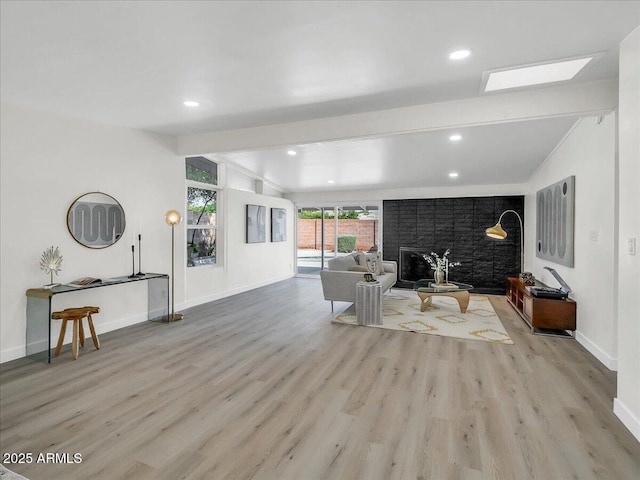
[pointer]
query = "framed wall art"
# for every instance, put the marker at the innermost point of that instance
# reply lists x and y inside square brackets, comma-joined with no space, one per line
[554,222]
[278,225]
[256,220]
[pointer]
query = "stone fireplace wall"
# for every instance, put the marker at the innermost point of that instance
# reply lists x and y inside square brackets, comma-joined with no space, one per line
[435,224]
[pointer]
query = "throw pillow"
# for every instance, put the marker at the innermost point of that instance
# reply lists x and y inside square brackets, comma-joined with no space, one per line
[379,264]
[359,268]
[364,260]
[341,263]
[373,262]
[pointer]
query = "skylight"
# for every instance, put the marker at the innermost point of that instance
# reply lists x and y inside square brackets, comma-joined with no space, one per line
[535,74]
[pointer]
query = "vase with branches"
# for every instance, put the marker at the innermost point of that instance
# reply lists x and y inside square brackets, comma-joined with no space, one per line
[440,265]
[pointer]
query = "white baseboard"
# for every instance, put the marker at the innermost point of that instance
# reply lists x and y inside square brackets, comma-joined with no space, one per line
[101,327]
[12,354]
[627,418]
[233,291]
[604,358]
[120,323]
[104,327]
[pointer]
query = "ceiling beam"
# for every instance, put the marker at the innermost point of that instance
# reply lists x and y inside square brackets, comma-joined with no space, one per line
[586,99]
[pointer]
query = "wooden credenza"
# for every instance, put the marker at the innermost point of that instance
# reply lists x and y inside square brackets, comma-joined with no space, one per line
[543,315]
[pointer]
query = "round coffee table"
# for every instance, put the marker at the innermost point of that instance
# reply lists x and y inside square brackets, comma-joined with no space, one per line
[426,289]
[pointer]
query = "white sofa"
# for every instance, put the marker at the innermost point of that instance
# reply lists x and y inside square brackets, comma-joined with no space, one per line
[339,280]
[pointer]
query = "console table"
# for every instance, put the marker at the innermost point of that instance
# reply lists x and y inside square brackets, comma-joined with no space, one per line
[545,316]
[39,307]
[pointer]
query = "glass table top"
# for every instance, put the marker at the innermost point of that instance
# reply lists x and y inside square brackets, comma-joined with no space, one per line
[429,286]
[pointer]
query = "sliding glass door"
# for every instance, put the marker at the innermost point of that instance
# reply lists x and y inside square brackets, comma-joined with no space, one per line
[358,228]
[313,246]
[325,232]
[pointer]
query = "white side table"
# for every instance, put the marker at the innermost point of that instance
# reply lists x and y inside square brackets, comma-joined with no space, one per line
[369,303]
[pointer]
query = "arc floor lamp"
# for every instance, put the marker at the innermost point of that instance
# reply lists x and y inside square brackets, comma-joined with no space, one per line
[173,218]
[498,232]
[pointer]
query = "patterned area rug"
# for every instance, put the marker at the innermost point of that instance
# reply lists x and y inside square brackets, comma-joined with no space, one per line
[401,311]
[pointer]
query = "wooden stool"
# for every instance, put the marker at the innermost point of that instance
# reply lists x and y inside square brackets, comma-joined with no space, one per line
[76,314]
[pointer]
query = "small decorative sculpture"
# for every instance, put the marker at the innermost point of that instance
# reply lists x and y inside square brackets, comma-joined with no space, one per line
[51,262]
[528,278]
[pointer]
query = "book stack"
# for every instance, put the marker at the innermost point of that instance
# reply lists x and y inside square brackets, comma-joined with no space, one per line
[448,286]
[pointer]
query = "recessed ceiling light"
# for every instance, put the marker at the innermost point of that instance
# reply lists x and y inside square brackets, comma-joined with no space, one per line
[190,103]
[459,54]
[535,74]
[331,181]
[453,174]
[455,138]
[292,152]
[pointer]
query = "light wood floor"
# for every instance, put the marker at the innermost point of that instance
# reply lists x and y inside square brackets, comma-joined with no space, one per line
[262,386]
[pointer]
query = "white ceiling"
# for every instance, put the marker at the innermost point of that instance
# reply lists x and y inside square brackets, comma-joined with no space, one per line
[259,63]
[506,153]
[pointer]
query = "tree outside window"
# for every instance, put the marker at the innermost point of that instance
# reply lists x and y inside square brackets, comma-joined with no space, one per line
[202,211]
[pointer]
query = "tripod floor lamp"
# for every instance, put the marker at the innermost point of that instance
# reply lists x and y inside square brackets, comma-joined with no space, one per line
[498,232]
[173,218]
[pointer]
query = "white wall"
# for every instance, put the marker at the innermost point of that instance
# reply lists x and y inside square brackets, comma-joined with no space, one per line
[246,265]
[627,403]
[49,160]
[588,152]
